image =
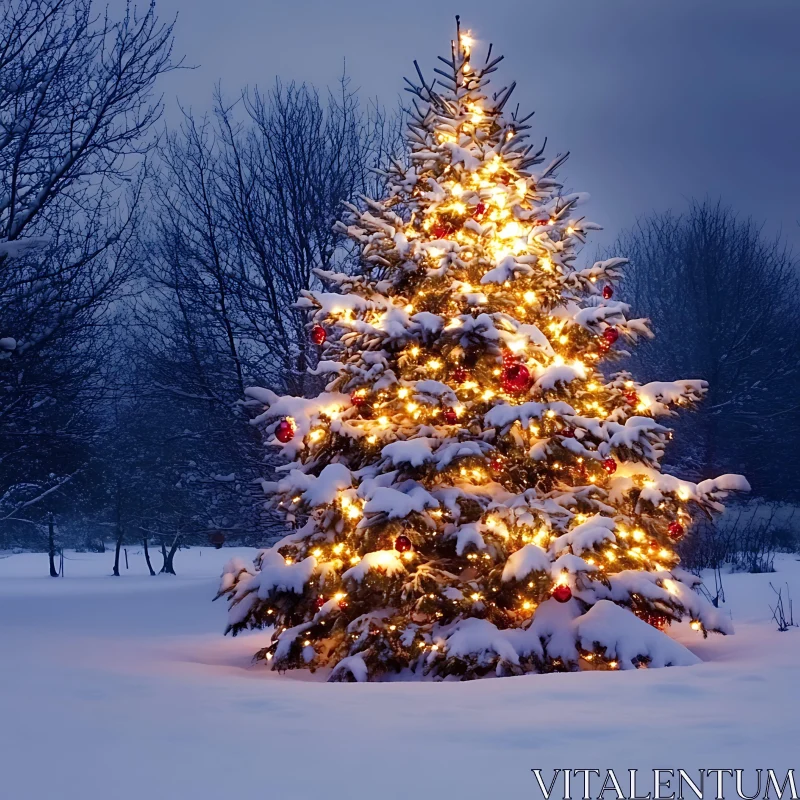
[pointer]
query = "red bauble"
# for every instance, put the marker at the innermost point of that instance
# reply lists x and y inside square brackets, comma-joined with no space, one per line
[441,231]
[568,433]
[609,465]
[450,416]
[480,210]
[497,464]
[459,374]
[318,334]
[562,593]
[343,604]
[611,335]
[402,543]
[285,431]
[319,602]
[515,378]
[675,530]
[542,222]
[505,179]
[608,292]
[358,399]
[631,398]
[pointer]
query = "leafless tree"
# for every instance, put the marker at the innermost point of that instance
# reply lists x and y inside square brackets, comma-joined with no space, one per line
[244,213]
[76,115]
[724,303]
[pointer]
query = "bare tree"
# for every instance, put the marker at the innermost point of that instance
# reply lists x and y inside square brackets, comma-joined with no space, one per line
[723,300]
[76,114]
[244,215]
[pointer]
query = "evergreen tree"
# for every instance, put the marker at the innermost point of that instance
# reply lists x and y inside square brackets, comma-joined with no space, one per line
[473,491]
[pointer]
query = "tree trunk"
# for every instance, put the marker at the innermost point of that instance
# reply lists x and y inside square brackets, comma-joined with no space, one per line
[147,556]
[116,552]
[51,546]
[168,563]
[166,567]
[119,534]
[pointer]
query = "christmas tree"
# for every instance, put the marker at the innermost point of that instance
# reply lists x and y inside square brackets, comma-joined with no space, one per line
[475,491]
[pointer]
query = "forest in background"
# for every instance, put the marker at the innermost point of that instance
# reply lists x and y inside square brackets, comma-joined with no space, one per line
[148,275]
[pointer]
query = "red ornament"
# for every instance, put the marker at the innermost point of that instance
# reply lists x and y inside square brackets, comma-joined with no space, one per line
[542,222]
[343,604]
[319,602]
[441,231]
[450,416]
[402,544]
[568,433]
[459,374]
[318,334]
[515,378]
[608,292]
[358,398]
[675,530]
[609,465]
[611,335]
[480,210]
[631,398]
[497,464]
[285,431]
[562,593]
[505,179]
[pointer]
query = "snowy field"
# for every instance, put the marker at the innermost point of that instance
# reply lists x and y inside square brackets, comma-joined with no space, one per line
[124,688]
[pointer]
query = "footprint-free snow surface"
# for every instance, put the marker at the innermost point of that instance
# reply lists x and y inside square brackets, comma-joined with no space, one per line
[124,688]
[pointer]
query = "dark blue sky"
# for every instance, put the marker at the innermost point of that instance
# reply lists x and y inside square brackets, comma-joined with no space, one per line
[657,101]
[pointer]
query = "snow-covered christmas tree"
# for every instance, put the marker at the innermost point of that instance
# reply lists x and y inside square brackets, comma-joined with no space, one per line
[474,492]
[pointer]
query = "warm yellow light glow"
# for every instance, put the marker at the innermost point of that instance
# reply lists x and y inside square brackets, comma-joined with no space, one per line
[316,434]
[383,421]
[337,548]
[638,535]
[409,309]
[457,190]
[339,596]
[287,560]
[411,407]
[530,298]
[355,559]
[475,596]
[372,439]
[434,364]
[402,393]
[683,493]
[354,512]
[510,230]
[546,264]
[488,394]
[414,351]
[316,553]
[695,625]
[550,413]
[527,605]
[307,643]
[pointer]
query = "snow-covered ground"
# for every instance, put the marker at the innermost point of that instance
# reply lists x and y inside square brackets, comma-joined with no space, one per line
[124,688]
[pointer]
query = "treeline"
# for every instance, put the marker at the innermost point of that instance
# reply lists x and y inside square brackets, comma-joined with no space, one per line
[148,275]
